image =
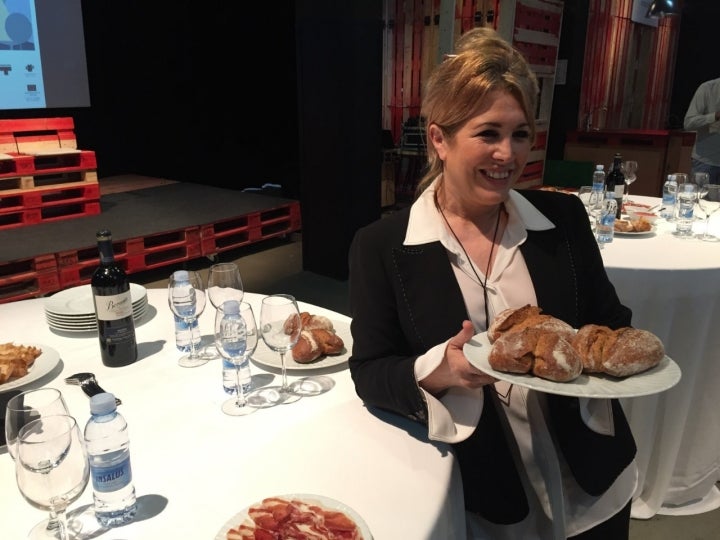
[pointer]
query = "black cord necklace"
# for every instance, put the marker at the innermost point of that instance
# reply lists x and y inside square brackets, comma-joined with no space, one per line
[472,266]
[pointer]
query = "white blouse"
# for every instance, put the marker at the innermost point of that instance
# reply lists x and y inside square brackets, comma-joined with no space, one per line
[560,507]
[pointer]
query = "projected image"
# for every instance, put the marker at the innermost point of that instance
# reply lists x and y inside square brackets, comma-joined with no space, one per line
[16,33]
[20,65]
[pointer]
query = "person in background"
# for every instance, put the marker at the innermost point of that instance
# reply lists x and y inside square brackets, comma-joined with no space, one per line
[424,279]
[703,117]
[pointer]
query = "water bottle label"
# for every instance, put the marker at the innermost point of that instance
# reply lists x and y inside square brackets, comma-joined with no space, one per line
[113,307]
[111,478]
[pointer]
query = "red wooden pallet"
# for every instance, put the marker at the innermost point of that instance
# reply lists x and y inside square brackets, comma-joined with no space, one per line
[14,200]
[28,278]
[243,230]
[134,255]
[48,213]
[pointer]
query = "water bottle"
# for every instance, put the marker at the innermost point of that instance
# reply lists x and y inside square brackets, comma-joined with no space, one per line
[232,343]
[606,223]
[669,197]
[183,331]
[108,448]
[598,180]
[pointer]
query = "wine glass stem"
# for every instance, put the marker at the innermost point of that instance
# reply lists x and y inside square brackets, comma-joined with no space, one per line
[53,521]
[193,348]
[240,401]
[62,526]
[284,386]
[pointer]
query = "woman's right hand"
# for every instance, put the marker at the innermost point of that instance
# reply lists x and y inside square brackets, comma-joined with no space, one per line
[455,369]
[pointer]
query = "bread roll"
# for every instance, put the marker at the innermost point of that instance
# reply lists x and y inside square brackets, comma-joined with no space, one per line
[307,349]
[316,342]
[513,352]
[555,358]
[633,351]
[508,318]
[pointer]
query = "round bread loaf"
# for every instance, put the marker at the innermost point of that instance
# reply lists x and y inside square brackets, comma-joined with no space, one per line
[513,352]
[555,358]
[633,351]
[508,318]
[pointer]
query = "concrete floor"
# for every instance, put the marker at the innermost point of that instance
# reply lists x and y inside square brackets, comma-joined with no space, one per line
[276,266]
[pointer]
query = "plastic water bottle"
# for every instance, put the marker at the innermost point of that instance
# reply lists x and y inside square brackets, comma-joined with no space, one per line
[606,223]
[598,180]
[183,331]
[669,197]
[108,448]
[232,343]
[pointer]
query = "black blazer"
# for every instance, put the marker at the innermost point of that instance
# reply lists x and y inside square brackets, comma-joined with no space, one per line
[405,299]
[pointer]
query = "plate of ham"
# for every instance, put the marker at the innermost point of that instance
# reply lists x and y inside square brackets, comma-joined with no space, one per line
[297,517]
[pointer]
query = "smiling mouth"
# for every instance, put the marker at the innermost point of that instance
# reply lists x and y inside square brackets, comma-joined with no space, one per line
[497,175]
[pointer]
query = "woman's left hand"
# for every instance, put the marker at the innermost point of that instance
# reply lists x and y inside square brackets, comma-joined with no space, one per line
[455,369]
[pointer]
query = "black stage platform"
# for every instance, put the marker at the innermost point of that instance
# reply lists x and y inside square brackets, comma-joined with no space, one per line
[137,214]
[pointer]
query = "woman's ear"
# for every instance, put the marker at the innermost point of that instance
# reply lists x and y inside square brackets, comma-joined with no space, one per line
[437,138]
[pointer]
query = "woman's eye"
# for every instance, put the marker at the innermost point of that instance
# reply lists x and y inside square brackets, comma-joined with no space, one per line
[521,134]
[488,134]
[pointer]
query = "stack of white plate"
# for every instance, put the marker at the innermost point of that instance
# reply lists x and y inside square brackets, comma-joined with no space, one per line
[72,310]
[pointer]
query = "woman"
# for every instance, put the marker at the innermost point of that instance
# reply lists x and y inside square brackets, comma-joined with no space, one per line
[425,279]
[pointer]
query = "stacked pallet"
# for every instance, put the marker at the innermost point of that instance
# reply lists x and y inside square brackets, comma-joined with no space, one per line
[43,175]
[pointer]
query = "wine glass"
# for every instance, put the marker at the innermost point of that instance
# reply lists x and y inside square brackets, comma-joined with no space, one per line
[584,195]
[280,327]
[228,341]
[630,168]
[224,283]
[709,202]
[28,406]
[186,298]
[52,471]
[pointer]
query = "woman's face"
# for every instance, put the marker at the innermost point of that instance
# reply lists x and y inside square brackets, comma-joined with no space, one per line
[485,158]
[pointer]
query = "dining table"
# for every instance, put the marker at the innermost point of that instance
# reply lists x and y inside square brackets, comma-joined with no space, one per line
[196,470]
[672,286]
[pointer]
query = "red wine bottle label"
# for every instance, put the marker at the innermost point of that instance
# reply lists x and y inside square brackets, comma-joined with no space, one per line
[113,307]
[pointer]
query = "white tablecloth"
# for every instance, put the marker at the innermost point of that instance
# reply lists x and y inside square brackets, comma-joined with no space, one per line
[195,467]
[672,286]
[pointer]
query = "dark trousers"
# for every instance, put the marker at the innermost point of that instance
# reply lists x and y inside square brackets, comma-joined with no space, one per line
[615,528]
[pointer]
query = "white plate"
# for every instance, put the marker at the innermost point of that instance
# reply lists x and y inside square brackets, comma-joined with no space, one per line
[269,358]
[78,301]
[42,366]
[325,502]
[80,321]
[653,381]
[636,233]
[73,326]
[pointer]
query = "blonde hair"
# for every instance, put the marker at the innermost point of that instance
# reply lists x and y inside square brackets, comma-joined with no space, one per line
[483,62]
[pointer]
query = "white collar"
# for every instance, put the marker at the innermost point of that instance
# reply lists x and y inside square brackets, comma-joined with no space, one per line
[425,223]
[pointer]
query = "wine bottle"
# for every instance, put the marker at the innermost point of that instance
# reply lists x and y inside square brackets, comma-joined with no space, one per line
[615,183]
[113,307]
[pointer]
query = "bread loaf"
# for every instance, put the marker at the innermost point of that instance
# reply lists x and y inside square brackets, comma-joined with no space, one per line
[526,341]
[317,338]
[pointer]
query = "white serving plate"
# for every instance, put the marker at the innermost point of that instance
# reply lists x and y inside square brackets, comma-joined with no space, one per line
[43,365]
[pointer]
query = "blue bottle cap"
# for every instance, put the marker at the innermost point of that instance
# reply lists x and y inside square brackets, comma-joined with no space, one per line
[231,307]
[102,403]
[181,275]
